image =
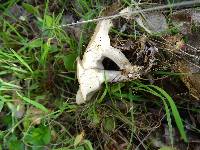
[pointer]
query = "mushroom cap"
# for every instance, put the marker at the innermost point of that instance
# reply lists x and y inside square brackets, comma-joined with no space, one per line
[99,42]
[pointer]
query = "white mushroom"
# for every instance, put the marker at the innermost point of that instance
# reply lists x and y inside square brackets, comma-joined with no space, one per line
[99,48]
[90,70]
[90,81]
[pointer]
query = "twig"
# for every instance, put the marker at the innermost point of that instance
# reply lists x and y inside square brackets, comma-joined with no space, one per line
[182,4]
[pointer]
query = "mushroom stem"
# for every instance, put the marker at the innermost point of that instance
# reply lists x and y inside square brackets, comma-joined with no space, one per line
[117,56]
[113,76]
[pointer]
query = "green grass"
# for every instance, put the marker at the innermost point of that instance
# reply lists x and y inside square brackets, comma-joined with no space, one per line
[27,60]
[167,101]
[38,85]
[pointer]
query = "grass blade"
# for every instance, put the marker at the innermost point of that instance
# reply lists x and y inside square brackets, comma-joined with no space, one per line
[169,122]
[164,96]
[175,112]
[9,85]
[21,60]
[34,103]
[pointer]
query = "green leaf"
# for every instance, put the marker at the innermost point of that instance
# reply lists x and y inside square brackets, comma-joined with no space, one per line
[48,21]
[31,9]
[15,144]
[35,43]
[69,61]
[109,123]
[88,145]
[7,120]
[34,103]
[38,136]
